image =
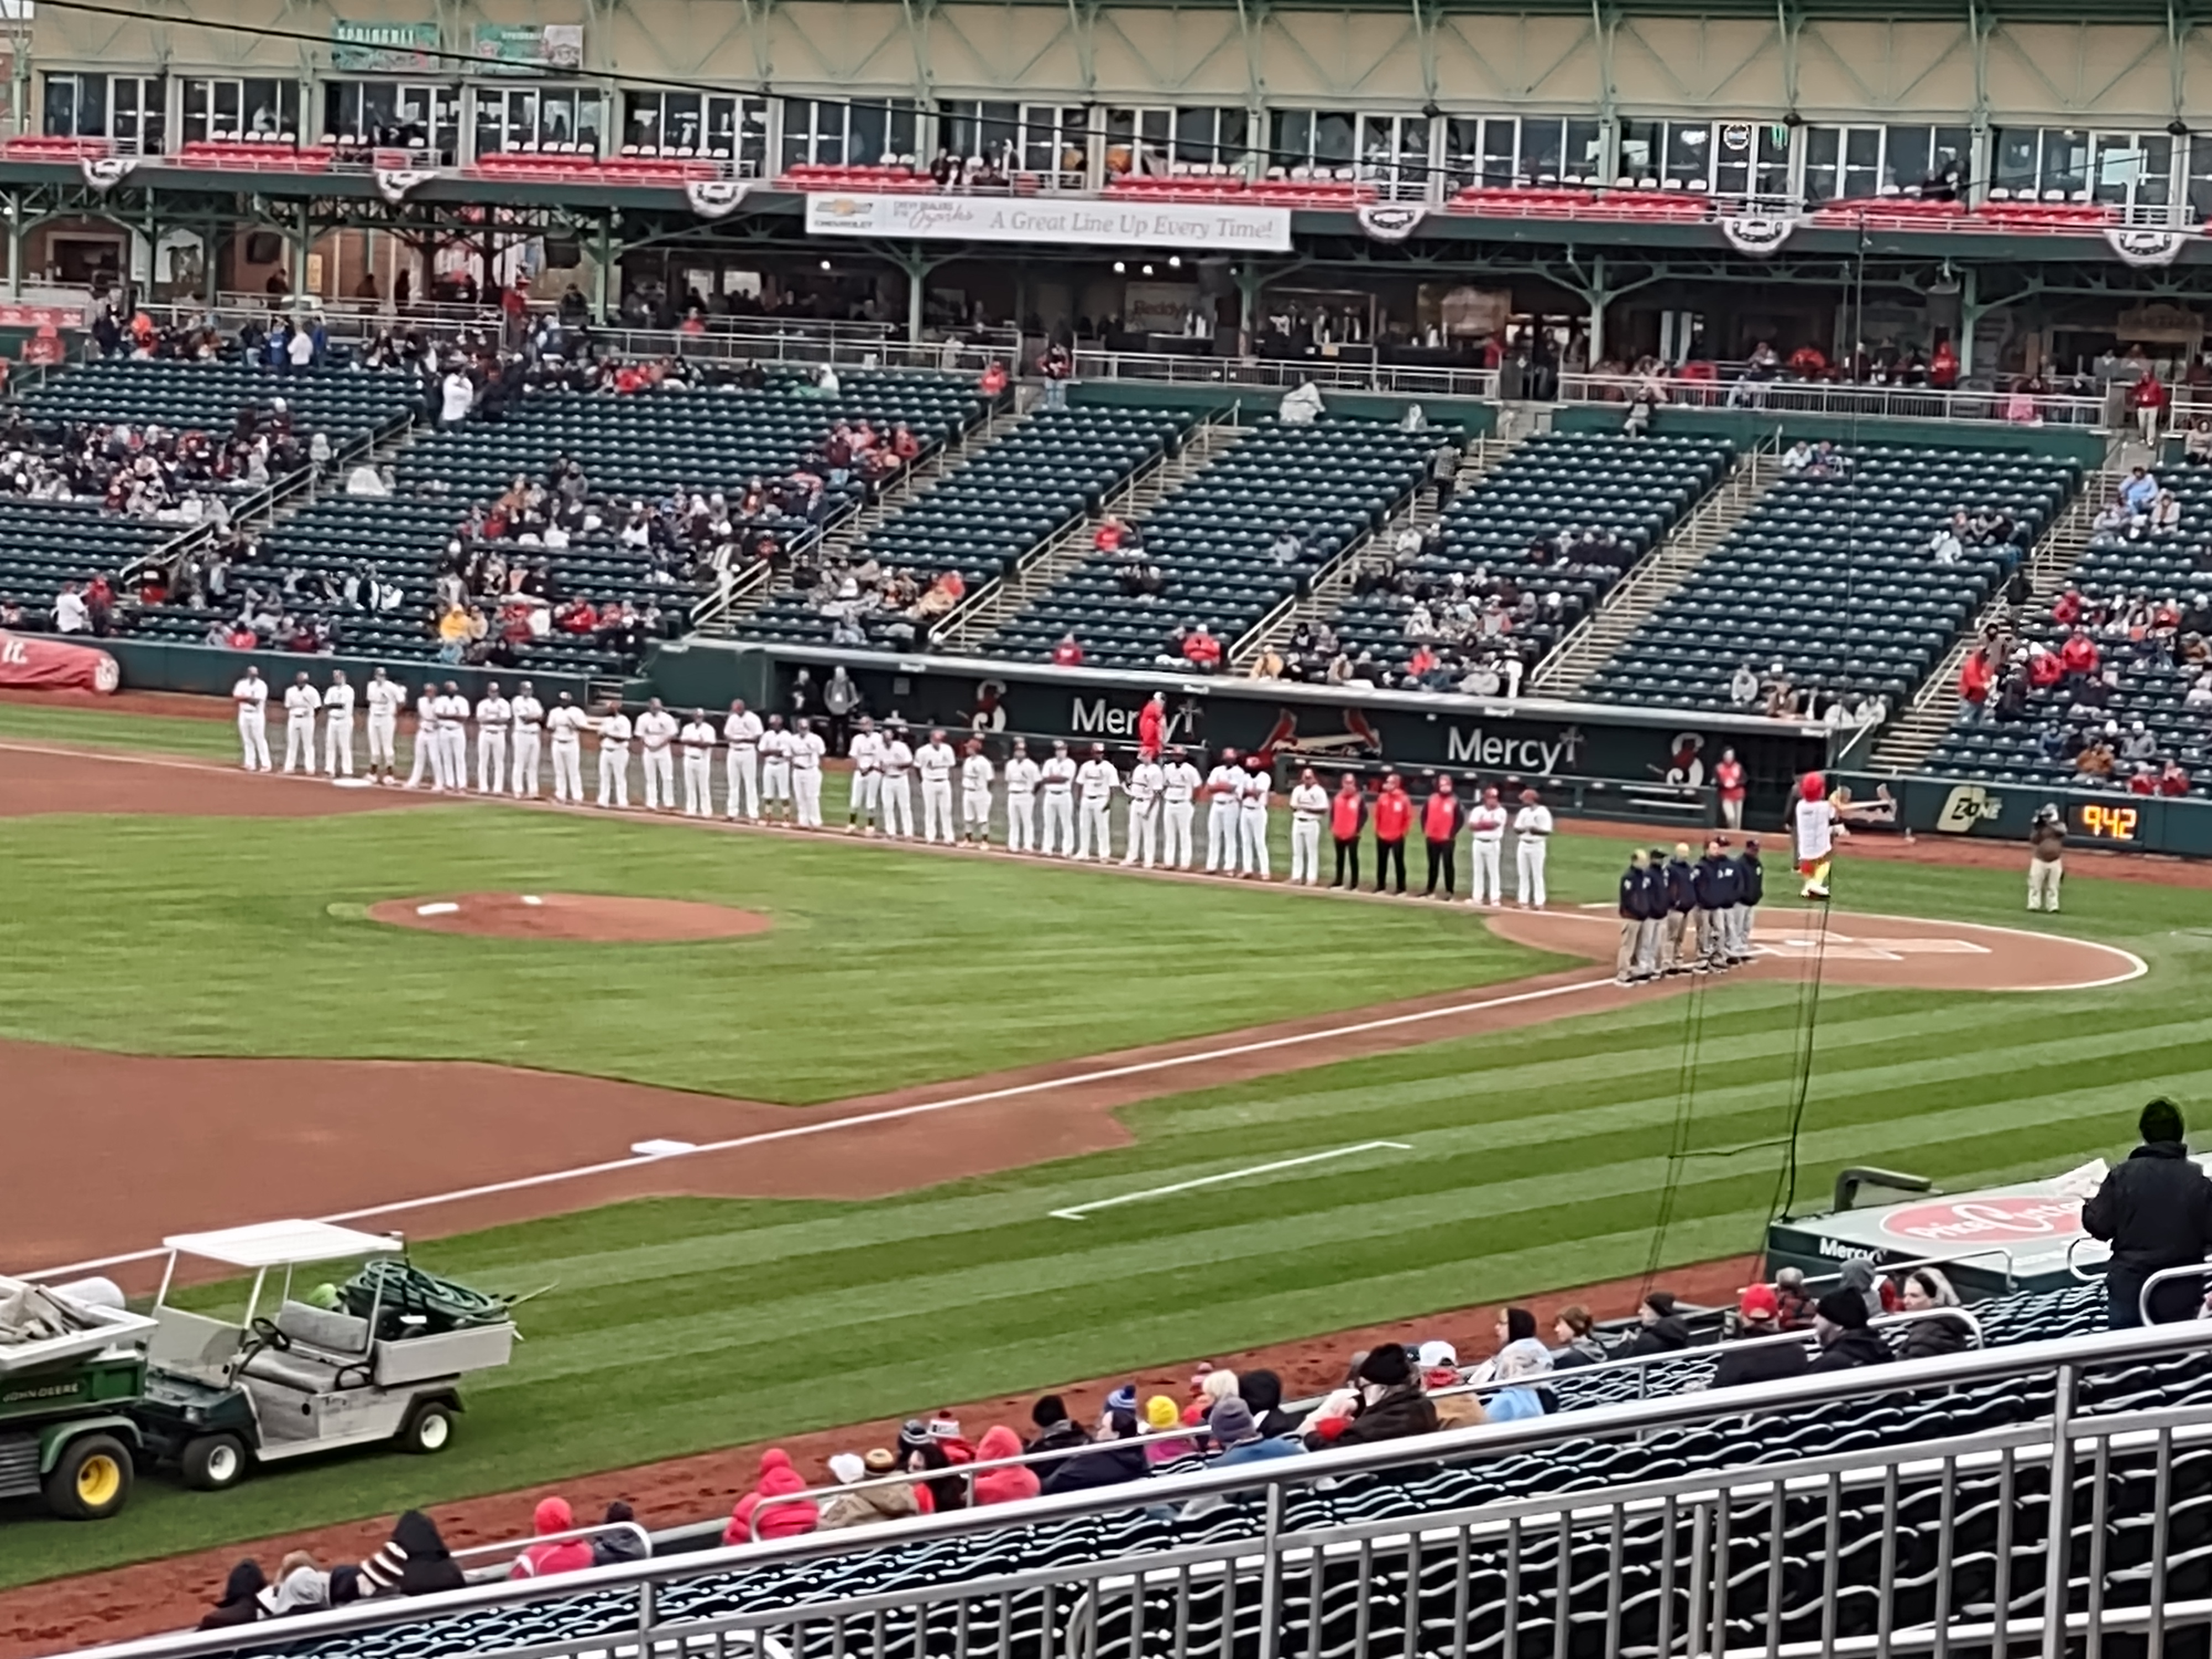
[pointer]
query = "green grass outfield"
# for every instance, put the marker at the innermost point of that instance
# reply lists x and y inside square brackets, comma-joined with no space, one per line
[1538,1155]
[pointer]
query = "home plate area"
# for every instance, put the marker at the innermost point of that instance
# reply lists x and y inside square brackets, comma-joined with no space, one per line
[1904,951]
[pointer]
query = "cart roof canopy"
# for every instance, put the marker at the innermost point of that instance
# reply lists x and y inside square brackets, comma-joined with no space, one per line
[282,1243]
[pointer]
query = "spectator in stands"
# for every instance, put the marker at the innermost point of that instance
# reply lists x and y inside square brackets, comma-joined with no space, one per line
[1663,1329]
[2197,447]
[2173,780]
[863,1506]
[71,614]
[2078,657]
[1162,1415]
[1067,653]
[786,1519]
[1926,1338]
[1518,1364]
[1262,1390]
[1388,1404]
[1056,1430]
[1007,1485]
[2155,1210]
[1202,650]
[564,1555]
[1286,549]
[1793,1304]
[1976,677]
[1759,1315]
[1237,1438]
[414,1561]
[1839,1324]
[2138,491]
[1857,1275]
[1743,686]
[612,1548]
[2147,398]
[241,1598]
[1575,1333]
[1117,1456]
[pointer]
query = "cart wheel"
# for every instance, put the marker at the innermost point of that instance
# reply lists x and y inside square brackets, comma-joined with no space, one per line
[213,1461]
[91,1479]
[429,1428]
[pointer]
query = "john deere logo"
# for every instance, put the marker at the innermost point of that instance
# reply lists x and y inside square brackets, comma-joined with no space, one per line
[1967,806]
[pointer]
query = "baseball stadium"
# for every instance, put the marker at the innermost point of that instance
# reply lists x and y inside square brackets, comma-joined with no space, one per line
[1207,832]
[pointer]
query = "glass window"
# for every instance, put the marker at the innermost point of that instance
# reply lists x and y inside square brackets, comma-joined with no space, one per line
[1751,159]
[226,110]
[1140,142]
[1864,163]
[1315,143]
[422,120]
[564,121]
[826,132]
[979,130]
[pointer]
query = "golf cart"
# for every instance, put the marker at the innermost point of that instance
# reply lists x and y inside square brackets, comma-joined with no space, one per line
[72,1365]
[379,1360]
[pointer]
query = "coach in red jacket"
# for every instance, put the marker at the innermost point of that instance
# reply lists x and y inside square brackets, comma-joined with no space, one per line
[1394,822]
[1441,816]
[1347,817]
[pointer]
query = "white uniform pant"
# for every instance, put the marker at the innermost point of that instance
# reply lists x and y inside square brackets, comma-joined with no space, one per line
[383,749]
[659,780]
[568,771]
[1221,835]
[1021,823]
[867,791]
[429,758]
[1176,851]
[1485,884]
[1144,833]
[743,767]
[2043,876]
[1058,826]
[1252,838]
[525,762]
[614,777]
[698,785]
[337,745]
[253,737]
[456,756]
[299,743]
[898,807]
[975,813]
[491,760]
[1529,855]
[1305,850]
[775,781]
[806,795]
[1093,821]
[936,810]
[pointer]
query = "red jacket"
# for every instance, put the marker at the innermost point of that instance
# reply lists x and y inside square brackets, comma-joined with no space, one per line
[1440,817]
[1347,812]
[2044,670]
[1729,774]
[777,1480]
[2079,655]
[1150,734]
[541,1560]
[1394,814]
[1003,1485]
[1975,677]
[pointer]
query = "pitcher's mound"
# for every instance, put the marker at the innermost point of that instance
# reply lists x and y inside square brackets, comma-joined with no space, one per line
[592,918]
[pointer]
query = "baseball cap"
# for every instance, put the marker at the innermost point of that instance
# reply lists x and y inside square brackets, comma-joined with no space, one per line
[1435,1355]
[1758,1302]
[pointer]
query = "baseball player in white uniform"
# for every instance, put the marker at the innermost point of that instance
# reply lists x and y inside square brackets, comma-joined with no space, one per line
[614,757]
[1058,777]
[494,715]
[251,694]
[1486,821]
[429,742]
[453,727]
[776,771]
[936,762]
[1308,807]
[1254,787]
[337,726]
[1532,842]
[1096,780]
[698,739]
[864,749]
[1222,784]
[656,732]
[386,698]
[1179,788]
[975,775]
[529,725]
[806,747]
[1022,774]
[301,701]
[741,731]
[566,723]
[898,797]
[1147,779]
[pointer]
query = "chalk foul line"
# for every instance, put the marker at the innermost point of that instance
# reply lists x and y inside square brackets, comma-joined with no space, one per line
[1076,1211]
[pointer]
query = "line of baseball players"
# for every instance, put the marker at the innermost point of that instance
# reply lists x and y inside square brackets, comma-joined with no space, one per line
[1678,917]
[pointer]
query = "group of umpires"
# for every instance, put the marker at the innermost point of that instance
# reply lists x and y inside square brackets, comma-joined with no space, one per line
[1681,917]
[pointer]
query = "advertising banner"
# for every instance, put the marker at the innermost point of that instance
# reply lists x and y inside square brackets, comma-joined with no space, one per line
[516,48]
[384,48]
[33,662]
[1191,226]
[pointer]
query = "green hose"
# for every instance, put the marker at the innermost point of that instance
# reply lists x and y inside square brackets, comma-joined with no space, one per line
[400,1288]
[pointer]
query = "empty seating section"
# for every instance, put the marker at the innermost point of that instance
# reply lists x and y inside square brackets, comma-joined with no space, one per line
[883,1563]
[1055,468]
[2119,570]
[1833,579]
[45,544]
[1557,484]
[641,445]
[344,403]
[1330,483]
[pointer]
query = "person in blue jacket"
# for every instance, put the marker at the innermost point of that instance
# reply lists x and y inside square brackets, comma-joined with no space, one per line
[1681,902]
[1715,880]
[1632,916]
[1750,890]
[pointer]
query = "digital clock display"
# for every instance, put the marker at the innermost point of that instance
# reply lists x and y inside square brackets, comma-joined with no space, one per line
[2101,823]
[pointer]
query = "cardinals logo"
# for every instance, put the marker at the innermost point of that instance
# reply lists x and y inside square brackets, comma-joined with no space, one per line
[1686,763]
[1359,737]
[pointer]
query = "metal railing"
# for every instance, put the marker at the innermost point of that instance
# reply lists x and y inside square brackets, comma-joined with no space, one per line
[1843,398]
[1330,374]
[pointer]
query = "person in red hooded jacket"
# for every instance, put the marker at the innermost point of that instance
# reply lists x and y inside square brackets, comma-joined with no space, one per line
[1347,816]
[785,1520]
[1393,821]
[1153,726]
[1441,816]
[1008,1485]
[2079,656]
[544,1560]
[1975,679]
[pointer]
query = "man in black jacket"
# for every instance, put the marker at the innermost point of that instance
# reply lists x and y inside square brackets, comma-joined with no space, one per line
[1663,1330]
[1055,1431]
[1750,891]
[1760,1312]
[1626,968]
[2155,1210]
[1681,901]
[1846,1343]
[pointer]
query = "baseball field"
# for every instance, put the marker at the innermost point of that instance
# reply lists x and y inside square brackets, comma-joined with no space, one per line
[958,1125]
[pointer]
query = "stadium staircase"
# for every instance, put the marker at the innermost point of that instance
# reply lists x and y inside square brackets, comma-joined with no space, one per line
[979,616]
[722,612]
[1587,649]
[1331,584]
[1911,737]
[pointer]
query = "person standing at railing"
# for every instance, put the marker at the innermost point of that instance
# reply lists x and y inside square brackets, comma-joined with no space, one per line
[2155,1210]
[2148,399]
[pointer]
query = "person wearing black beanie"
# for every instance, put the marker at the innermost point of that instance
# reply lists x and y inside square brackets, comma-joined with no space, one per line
[1391,1403]
[2155,1210]
[1056,1431]
[1664,1330]
[1839,1322]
